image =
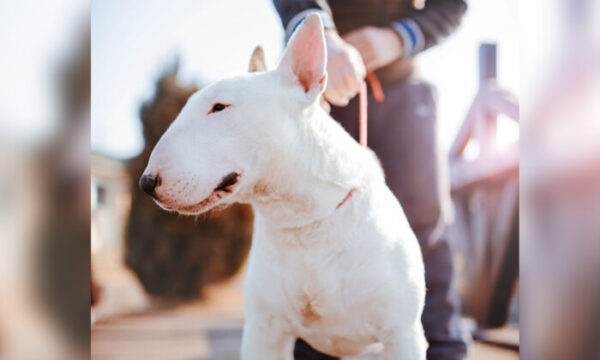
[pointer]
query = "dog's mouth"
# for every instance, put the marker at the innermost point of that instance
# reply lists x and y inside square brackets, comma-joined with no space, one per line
[224,189]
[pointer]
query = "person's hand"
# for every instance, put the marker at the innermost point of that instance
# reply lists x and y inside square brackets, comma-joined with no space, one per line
[324,104]
[378,46]
[345,68]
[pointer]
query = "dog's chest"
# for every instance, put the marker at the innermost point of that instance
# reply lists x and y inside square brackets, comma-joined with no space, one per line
[319,287]
[324,306]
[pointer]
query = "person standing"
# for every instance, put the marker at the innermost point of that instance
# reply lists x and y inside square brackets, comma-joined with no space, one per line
[385,37]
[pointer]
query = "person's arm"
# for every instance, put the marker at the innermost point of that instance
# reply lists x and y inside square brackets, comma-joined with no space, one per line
[426,27]
[406,37]
[292,12]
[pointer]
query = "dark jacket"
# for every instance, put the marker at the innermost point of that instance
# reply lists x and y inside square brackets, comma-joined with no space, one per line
[419,23]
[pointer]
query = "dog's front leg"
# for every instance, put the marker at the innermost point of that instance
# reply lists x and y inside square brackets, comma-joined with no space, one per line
[266,341]
[406,344]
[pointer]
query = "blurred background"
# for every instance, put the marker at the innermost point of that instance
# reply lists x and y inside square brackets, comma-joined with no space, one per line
[170,287]
[44,192]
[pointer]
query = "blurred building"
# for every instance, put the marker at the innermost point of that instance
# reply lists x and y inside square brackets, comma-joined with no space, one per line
[111,201]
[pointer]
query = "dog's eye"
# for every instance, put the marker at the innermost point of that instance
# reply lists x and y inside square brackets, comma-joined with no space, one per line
[218,107]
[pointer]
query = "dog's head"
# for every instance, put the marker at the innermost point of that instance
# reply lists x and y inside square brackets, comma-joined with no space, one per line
[228,134]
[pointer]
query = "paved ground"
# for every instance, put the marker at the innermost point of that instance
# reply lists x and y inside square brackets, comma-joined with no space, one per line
[128,325]
[182,335]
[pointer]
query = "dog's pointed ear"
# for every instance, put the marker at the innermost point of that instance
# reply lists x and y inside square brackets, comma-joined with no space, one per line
[305,57]
[257,61]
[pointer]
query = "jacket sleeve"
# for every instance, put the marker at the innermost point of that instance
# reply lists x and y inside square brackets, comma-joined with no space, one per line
[427,26]
[292,12]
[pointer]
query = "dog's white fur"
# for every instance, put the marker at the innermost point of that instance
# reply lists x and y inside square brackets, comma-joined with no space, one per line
[341,278]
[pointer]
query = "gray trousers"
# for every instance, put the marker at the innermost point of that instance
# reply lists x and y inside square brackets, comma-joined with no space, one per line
[402,132]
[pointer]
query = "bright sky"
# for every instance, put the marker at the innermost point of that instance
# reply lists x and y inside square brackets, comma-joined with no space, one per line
[36,38]
[134,40]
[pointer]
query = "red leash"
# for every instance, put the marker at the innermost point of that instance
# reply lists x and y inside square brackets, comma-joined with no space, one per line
[362,104]
[362,115]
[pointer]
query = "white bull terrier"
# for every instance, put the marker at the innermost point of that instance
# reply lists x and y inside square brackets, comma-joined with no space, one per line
[333,258]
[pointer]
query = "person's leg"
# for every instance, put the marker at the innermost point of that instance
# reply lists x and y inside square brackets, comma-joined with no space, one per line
[402,132]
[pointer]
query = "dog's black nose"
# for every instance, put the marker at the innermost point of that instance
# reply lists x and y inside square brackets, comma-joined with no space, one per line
[148,183]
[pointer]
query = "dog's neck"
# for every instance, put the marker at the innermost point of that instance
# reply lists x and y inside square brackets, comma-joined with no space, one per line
[319,168]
